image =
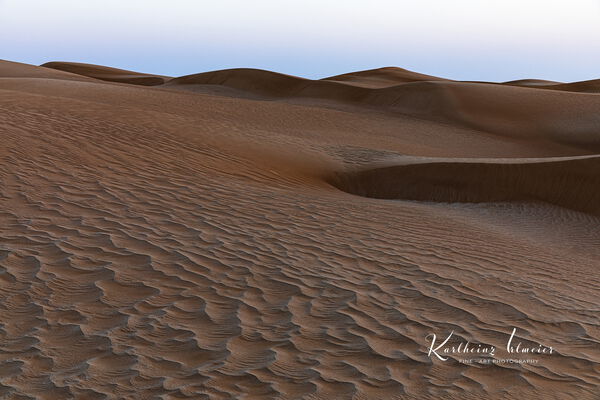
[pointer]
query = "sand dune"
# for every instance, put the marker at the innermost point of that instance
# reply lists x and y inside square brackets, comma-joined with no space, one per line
[532,83]
[274,84]
[107,73]
[514,112]
[185,240]
[382,77]
[255,81]
[590,86]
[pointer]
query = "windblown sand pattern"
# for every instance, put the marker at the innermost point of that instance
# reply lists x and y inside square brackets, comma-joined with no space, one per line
[243,234]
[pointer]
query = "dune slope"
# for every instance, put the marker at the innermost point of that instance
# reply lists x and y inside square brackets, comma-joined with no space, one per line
[107,73]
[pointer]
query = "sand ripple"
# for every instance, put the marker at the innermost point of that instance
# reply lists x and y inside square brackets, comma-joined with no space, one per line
[143,256]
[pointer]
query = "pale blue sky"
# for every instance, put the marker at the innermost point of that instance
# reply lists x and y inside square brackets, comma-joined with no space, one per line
[464,39]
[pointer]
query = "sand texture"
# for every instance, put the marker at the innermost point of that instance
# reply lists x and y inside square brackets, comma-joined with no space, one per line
[244,234]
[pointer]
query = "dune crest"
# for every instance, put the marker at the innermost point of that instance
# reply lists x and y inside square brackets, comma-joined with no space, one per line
[107,73]
[256,81]
[589,86]
[382,77]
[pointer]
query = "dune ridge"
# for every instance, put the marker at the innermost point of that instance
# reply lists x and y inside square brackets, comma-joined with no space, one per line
[382,77]
[11,69]
[532,82]
[562,116]
[589,86]
[107,73]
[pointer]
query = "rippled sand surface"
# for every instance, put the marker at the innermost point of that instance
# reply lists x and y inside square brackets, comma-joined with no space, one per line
[249,235]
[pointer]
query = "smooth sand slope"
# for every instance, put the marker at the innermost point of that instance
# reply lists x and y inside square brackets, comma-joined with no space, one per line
[244,234]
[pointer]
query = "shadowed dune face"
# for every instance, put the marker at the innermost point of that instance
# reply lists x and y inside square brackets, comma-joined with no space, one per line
[570,183]
[591,86]
[107,73]
[270,85]
[166,242]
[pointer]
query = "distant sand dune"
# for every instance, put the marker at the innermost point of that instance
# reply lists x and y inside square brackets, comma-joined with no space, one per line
[532,83]
[516,112]
[255,81]
[107,73]
[382,77]
[9,69]
[591,86]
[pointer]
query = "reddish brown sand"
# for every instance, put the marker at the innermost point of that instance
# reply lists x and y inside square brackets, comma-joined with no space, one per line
[243,234]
